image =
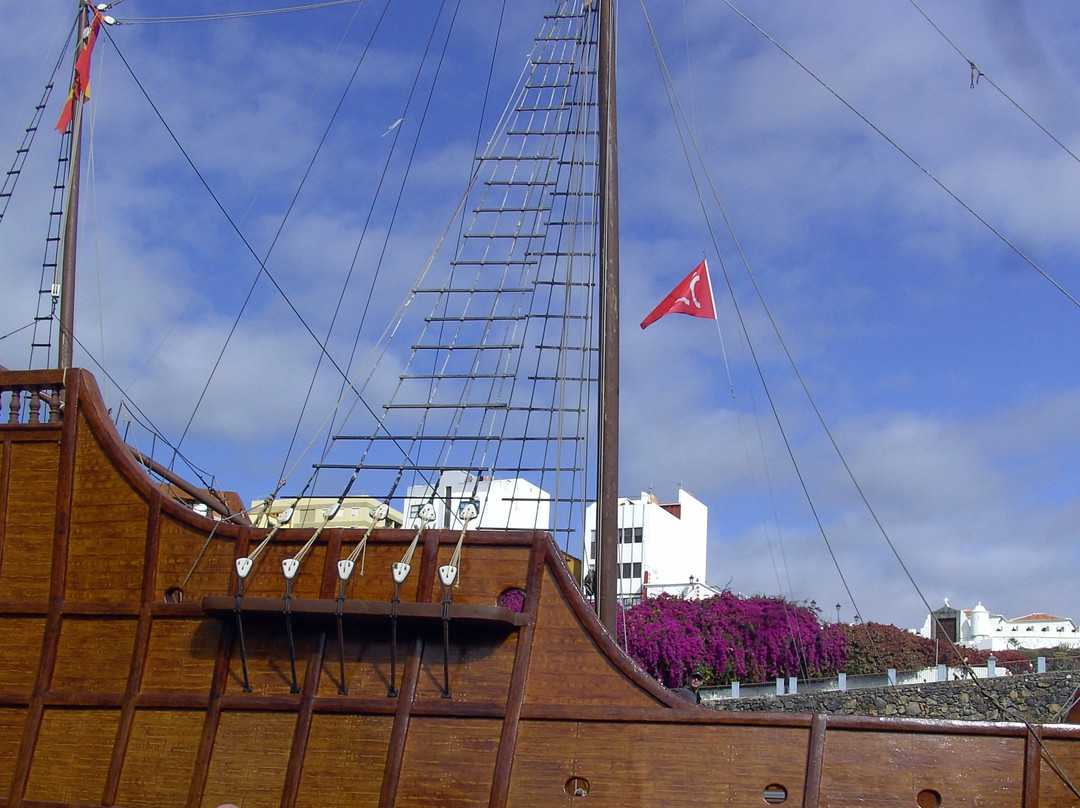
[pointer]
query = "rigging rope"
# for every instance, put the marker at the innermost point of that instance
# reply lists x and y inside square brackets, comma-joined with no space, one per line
[933,178]
[236,229]
[348,275]
[1052,762]
[977,74]
[233,15]
[401,187]
[679,114]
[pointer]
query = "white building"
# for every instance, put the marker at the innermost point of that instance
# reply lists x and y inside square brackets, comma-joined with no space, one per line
[661,547]
[979,628]
[501,504]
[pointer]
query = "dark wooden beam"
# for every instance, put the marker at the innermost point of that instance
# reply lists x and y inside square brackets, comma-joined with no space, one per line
[608,409]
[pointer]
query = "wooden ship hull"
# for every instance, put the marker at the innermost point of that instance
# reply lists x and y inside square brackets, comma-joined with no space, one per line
[112,693]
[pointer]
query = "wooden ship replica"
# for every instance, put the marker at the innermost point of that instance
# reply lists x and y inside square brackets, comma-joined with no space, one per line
[156,656]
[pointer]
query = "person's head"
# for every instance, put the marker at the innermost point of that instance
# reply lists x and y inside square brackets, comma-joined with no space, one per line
[697,678]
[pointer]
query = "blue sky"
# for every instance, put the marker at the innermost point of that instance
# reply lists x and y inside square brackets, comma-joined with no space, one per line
[942,363]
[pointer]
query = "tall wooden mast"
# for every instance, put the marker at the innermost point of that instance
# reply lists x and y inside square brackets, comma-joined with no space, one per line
[608,408]
[71,211]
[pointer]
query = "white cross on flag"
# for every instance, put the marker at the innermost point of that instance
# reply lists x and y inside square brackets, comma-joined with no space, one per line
[693,296]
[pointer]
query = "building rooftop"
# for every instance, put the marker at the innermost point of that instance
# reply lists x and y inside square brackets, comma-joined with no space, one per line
[1035,617]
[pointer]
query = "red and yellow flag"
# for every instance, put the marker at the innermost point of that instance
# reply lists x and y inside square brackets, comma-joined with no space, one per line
[80,86]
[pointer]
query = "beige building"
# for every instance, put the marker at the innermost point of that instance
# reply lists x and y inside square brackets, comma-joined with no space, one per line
[312,512]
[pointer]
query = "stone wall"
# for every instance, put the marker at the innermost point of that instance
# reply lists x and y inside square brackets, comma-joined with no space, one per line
[1038,698]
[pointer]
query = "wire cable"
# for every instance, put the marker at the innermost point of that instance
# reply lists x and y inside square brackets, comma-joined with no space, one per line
[232,15]
[933,178]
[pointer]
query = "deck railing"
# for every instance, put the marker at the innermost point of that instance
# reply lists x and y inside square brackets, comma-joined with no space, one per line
[30,399]
[940,673]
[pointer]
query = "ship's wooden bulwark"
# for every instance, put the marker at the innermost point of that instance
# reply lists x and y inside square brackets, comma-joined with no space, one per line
[111,695]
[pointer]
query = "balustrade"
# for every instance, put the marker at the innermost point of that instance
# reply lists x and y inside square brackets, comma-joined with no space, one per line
[30,404]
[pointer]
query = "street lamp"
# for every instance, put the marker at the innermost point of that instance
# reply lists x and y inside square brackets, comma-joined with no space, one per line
[837,612]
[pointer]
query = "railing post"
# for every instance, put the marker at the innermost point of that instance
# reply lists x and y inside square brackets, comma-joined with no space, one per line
[841,681]
[892,676]
[793,684]
[13,408]
[991,667]
[734,690]
[1040,665]
[779,686]
[942,673]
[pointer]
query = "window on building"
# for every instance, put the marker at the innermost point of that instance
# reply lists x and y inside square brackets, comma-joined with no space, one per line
[629,535]
[630,569]
[414,511]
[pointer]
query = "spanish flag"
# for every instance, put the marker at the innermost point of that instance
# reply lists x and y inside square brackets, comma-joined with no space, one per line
[80,86]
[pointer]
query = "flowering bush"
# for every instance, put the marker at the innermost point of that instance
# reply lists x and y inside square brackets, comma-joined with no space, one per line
[876,647]
[729,638]
[512,599]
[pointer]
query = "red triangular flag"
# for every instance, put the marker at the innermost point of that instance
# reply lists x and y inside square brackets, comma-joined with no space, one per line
[80,86]
[693,296]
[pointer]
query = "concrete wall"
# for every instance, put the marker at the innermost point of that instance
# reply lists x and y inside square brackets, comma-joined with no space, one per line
[1032,697]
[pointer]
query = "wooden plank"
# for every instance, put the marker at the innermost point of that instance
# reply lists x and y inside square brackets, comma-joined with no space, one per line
[1059,774]
[450,762]
[367,665]
[595,637]
[72,757]
[22,639]
[28,521]
[181,656]
[344,766]
[138,658]
[655,764]
[396,753]
[267,647]
[504,760]
[158,768]
[250,759]
[174,701]
[883,769]
[5,485]
[298,747]
[329,586]
[35,378]
[57,577]
[1032,767]
[815,755]
[108,641]
[80,698]
[201,564]
[351,609]
[12,720]
[211,720]
[594,678]
[407,692]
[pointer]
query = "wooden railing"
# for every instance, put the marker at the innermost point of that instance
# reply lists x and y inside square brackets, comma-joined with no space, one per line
[30,398]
